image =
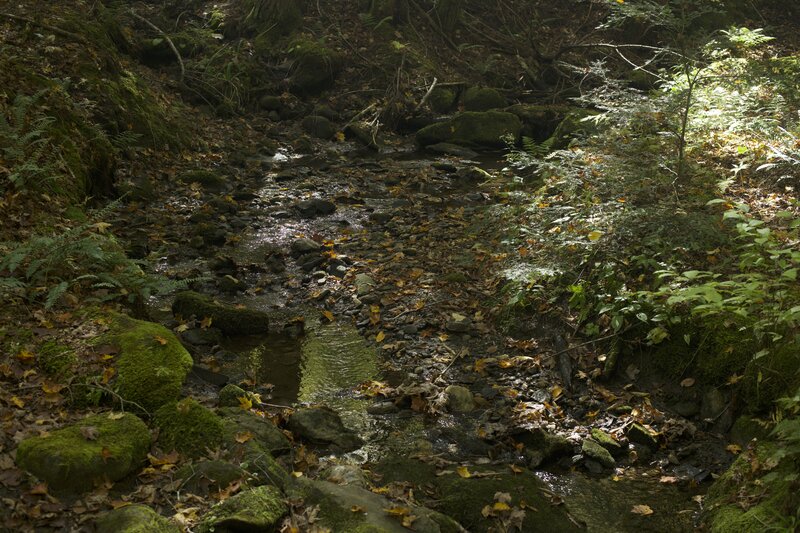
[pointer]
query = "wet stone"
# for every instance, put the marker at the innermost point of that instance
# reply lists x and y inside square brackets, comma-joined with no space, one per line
[459,399]
[641,435]
[202,337]
[304,246]
[594,451]
[315,207]
[322,426]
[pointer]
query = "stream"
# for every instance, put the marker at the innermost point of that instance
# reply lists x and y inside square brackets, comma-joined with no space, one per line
[418,239]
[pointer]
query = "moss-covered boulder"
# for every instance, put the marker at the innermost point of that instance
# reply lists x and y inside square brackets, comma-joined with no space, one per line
[258,509]
[206,178]
[231,320]
[315,67]
[101,447]
[209,476]
[442,99]
[55,359]
[134,519]
[188,427]
[319,127]
[482,99]
[152,364]
[337,501]
[238,422]
[757,493]
[473,129]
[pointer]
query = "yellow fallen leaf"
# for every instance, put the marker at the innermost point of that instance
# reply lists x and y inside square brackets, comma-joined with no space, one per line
[501,506]
[25,356]
[357,509]
[408,521]
[328,316]
[296,474]
[595,235]
[398,511]
[464,472]
[643,510]
[243,437]
[206,322]
[245,402]
[17,401]
[380,336]
[556,391]
[181,328]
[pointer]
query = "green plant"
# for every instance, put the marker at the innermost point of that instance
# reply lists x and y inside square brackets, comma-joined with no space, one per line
[27,161]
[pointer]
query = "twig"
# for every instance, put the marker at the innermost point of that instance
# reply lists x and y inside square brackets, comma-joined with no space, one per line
[166,38]
[425,98]
[58,31]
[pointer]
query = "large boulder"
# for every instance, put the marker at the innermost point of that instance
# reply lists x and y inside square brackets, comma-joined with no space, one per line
[134,519]
[152,364]
[323,426]
[188,427]
[482,99]
[237,422]
[319,127]
[258,509]
[474,129]
[101,447]
[231,320]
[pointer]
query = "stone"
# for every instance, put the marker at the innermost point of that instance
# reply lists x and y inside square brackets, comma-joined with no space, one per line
[323,426]
[364,284]
[574,124]
[152,364]
[362,135]
[319,127]
[382,408]
[543,446]
[473,129]
[206,178]
[315,207]
[315,67]
[304,246]
[230,396]
[442,100]
[231,285]
[202,336]
[451,149]
[641,435]
[134,519]
[459,324]
[101,447]
[229,319]
[271,103]
[209,476]
[607,441]
[189,428]
[482,99]
[380,217]
[236,421]
[594,451]
[345,474]
[713,405]
[459,399]
[258,509]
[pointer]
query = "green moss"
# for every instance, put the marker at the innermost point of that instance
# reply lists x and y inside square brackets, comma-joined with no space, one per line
[206,178]
[315,67]
[152,364]
[70,461]
[482,99]
[271,18]
[134,519]
[474,129]
[188,427]
[231,320]
[205,476]
[55,359]
[442,100]
[258,509]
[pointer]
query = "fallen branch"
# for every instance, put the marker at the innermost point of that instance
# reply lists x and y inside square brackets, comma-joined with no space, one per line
[425,98]
[166,38]
[48,27]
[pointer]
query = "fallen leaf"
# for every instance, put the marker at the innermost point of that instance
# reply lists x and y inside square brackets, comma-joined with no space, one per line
[89,432]
[160,340]
[17,401]
[380,336]
[688,382]
[206,322]
[26,356]
[243,437]
[328,316]
[245,403]
[464,472]
[357,509]
[501,506]
[115,416]
[735,449]
[108,373]
[595,235]
[398,511]
[643,510]
[408,521]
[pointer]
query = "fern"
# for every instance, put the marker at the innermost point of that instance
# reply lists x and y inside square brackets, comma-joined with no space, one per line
[535,149]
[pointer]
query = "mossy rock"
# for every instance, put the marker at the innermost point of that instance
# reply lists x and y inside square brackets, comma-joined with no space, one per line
[206,178]
[237,421]
[769,494]
[209,476]
[72,459]
[188,427]
[442,100]
[464,498]
[152,364]
[258,509]
[315,67]
[473,129]
[56,359]
[134,519]
[482,99]
[574,124]
[319,127]
[231,320]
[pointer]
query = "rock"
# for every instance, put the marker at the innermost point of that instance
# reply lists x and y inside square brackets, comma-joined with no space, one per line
[573,125]
[206,178]
[315,67]
[319,127]
[594,451]
[641,435]
[202,336]
[336,501]
[271,103]
[459,399]
[607,441]
[230,394]
[543,446]
[458,324]
[152,363]
[746,428]
[380,217]
[451,149]
[482,99]
[473,129]
[209,476]
[713,405]
[189,428]
[362,135]
[347,475]
[134,519]
[258,509]
[364,284]
[305,246]
[231,320]
[382,408]
[323,426]
[231,285]
[266,434]
[102,447]
[442,100]
[315,207]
